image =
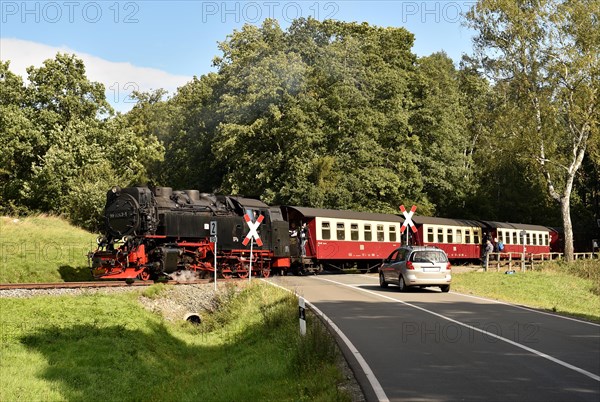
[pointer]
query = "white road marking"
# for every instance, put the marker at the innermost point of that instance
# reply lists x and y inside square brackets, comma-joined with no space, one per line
[377,388]
[512,305]
[536,352]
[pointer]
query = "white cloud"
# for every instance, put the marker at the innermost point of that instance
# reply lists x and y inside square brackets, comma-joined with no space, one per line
[119,78]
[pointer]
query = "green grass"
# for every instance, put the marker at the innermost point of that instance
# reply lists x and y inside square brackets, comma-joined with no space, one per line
[43,249]
[571,289]
[109,348]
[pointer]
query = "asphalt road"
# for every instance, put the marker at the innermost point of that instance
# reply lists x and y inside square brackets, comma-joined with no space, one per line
[428,345]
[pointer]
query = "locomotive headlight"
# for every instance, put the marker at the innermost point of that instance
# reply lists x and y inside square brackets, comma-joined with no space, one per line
[101,240]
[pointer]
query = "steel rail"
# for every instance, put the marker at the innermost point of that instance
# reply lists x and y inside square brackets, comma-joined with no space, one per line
[111,284]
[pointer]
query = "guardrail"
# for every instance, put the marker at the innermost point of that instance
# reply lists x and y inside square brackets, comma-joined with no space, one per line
[587,256]
[529,259]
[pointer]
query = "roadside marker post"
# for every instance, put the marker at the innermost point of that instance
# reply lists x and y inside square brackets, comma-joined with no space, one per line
[302,314]
[251,236]
[408,220]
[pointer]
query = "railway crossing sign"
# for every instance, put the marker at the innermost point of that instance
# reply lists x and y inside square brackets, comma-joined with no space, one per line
[408,218]
[253,234]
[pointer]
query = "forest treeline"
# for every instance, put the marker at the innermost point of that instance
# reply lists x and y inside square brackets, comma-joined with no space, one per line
[323,114]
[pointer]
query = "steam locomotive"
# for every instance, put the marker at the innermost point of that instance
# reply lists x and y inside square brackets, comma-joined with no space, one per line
[151,234]
[164,233]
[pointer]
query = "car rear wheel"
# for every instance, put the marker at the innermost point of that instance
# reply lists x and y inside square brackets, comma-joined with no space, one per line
[445,288]
[401,285]
[382,281]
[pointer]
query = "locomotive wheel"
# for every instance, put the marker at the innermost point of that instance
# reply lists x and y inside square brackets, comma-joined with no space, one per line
[227,274]
[266,272]
[144,275]
[242,274]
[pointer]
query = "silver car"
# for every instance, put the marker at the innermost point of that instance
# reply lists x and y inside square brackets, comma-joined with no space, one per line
[416,266]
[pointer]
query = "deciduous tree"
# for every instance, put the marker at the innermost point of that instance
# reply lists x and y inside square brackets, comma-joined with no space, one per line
[545,54]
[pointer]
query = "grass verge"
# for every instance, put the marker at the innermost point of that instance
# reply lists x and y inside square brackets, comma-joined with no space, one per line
[107,347]
[43,249]
[571,289]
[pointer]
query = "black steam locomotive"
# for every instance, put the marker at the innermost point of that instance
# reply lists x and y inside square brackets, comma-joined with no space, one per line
[152,234]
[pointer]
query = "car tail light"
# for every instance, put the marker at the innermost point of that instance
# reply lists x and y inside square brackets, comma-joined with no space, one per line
[409,265]
[448,266]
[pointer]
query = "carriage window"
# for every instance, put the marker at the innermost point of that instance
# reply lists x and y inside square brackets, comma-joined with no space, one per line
[476,237]
[341,231]
[380,233]
[515,238]
[325,231]
[501,236]
[528,238]
[354,231]
[440,235]
[368,234]
[535,239]
[459,238]
[467,236]
[392,233]
[546,239]
[450,237]
[430,235]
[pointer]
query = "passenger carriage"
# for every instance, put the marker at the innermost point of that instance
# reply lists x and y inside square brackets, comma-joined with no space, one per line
[340,239]
[518,238]
[459,238]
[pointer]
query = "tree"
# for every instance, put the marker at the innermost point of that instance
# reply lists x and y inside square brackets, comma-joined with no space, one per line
[60,146]
[317,115]
[439,119]
[545,56]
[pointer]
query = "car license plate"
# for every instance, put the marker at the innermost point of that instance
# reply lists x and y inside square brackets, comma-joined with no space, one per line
[431,270]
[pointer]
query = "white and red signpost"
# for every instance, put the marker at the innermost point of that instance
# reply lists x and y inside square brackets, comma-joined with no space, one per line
[251,236]
[408,220]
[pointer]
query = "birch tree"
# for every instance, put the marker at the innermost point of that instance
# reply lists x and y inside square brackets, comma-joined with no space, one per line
[545,54]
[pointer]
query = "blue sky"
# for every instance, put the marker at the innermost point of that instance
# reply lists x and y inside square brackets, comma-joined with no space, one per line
[155,43]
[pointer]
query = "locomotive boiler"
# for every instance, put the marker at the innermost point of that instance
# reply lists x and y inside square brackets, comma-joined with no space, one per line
[160,233]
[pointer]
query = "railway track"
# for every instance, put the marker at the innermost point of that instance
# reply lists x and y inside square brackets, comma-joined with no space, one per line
[80,285]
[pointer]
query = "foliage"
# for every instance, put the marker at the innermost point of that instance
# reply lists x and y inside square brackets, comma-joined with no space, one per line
[441,124]
[323,114]
[544,57]
[60,150]
[334,115]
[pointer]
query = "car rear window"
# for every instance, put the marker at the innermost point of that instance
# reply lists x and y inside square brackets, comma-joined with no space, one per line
[428,256]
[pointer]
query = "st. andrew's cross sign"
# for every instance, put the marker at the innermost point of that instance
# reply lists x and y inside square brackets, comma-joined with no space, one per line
[408,220]
[253,227]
